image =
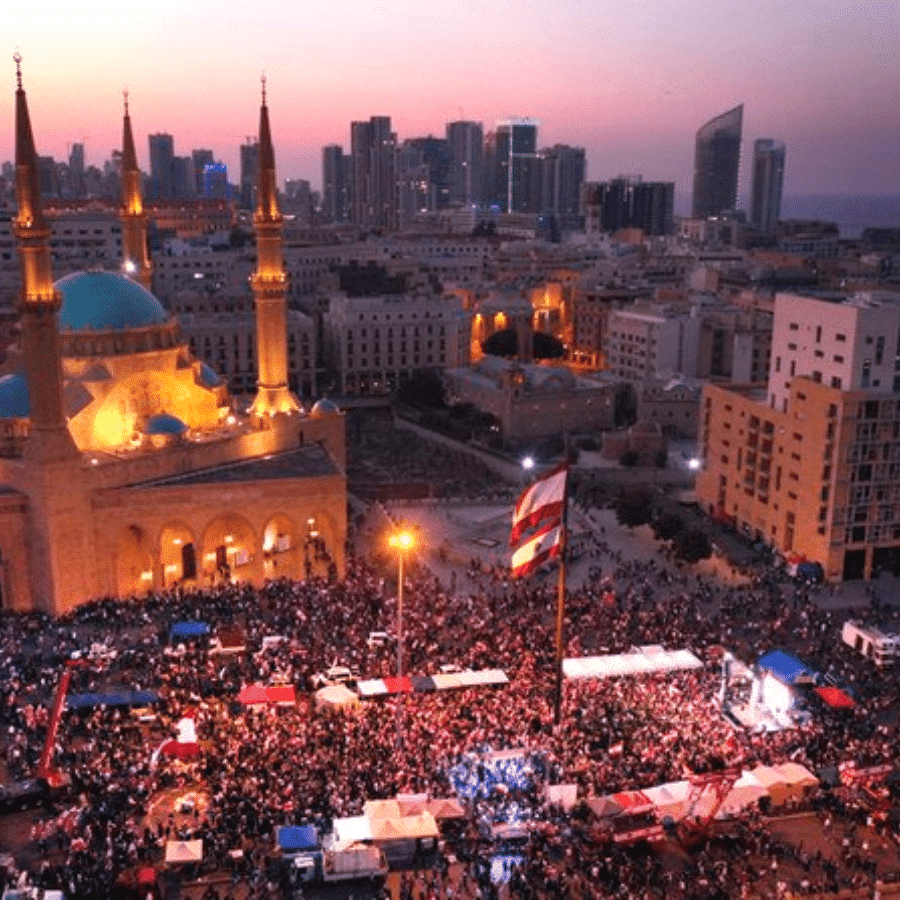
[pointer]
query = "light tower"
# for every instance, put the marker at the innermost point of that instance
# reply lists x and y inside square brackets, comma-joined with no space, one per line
[135,259]
[269,284]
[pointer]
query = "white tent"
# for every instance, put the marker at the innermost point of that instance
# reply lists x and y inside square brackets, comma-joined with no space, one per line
[798,780]
[336,695]
[564,795]
[184,851]
[670,799]
[773,781]
[651,658]
[744,793]
[381,809]
[351,830]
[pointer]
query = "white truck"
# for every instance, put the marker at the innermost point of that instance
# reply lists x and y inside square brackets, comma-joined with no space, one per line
[877,646]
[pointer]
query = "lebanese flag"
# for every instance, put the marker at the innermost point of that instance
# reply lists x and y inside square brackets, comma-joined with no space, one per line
[540,502]
[544,545]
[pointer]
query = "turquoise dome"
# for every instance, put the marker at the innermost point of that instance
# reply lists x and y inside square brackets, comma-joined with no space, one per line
[14,400]
[106,301]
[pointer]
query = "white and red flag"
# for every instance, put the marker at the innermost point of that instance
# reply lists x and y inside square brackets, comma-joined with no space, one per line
[541,502]
[537,526]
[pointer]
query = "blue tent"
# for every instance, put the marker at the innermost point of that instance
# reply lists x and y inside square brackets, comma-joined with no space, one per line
[183,630]
[298,838]
[785,667]
[111,698]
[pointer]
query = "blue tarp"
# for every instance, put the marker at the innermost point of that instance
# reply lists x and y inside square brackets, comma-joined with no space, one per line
[298,838]
[111,698]
[188,630]
[786,668]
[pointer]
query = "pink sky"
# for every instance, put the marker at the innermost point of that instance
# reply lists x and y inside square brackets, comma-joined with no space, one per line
[629,81]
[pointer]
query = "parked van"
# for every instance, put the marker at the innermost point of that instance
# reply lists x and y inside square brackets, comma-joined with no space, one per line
[880,648]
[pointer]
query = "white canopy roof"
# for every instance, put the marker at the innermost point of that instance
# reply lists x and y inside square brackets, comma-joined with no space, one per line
[651,658]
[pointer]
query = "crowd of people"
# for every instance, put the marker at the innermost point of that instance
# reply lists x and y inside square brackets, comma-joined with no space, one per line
[262,767]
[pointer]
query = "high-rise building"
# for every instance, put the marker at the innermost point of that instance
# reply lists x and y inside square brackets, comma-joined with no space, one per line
[334,185]
[184,181]
[465,142]
[249,171]
[513,181]
[810,461]
[653,207]
[561,175]
[201,159]
[435,154]
[373,174]
[162,163]
[215,181]
[76,170]
[628,202]
[768,181]
[717,156]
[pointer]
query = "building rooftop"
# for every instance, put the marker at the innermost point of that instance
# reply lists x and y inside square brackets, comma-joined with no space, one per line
[309,461]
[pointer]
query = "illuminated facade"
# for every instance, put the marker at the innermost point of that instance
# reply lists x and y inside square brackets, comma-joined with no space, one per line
[124,464]
[809,462]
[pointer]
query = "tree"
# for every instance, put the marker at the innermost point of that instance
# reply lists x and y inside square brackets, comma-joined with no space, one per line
[666,526]
[504,343]
[692,545]
[634,508]
[422,389]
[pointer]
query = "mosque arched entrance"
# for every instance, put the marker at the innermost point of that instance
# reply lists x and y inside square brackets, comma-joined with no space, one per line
[134,561]
[230,550]
[281,548]
[177,554]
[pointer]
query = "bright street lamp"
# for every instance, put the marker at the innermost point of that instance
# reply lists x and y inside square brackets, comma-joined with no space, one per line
[401,541]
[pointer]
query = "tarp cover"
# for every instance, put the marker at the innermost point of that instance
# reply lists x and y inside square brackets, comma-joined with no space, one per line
[835,697]
[188,630]
[785,667]
[111,698]
[298,838]
[256,694]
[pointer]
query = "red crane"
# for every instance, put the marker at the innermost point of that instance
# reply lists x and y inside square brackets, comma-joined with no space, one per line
[45,769]
[719,783]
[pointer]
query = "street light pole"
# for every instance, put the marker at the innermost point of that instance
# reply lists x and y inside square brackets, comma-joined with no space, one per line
[401,541]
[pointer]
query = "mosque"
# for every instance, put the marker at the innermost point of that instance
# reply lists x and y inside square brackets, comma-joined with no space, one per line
[125,465]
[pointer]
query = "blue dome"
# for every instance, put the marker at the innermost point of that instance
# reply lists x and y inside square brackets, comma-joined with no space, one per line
[106,301]
[14,400]
[164,423]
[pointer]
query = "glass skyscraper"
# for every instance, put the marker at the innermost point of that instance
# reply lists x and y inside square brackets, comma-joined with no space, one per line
[717,156]
[768,181]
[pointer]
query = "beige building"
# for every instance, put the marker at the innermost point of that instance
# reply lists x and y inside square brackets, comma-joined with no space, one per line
[810,461]
[124,466]
[372,343]
[534,401]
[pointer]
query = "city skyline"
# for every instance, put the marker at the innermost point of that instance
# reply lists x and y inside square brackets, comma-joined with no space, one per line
[630,84]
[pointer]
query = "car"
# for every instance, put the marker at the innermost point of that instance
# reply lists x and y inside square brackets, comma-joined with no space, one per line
[30,793]
[334,675]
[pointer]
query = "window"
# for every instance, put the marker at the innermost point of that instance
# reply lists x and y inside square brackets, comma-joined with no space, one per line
[840,337]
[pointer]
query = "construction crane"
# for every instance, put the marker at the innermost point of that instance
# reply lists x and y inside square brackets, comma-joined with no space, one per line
[45,768]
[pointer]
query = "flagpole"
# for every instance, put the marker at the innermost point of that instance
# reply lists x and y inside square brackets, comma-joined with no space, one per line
[561,592]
